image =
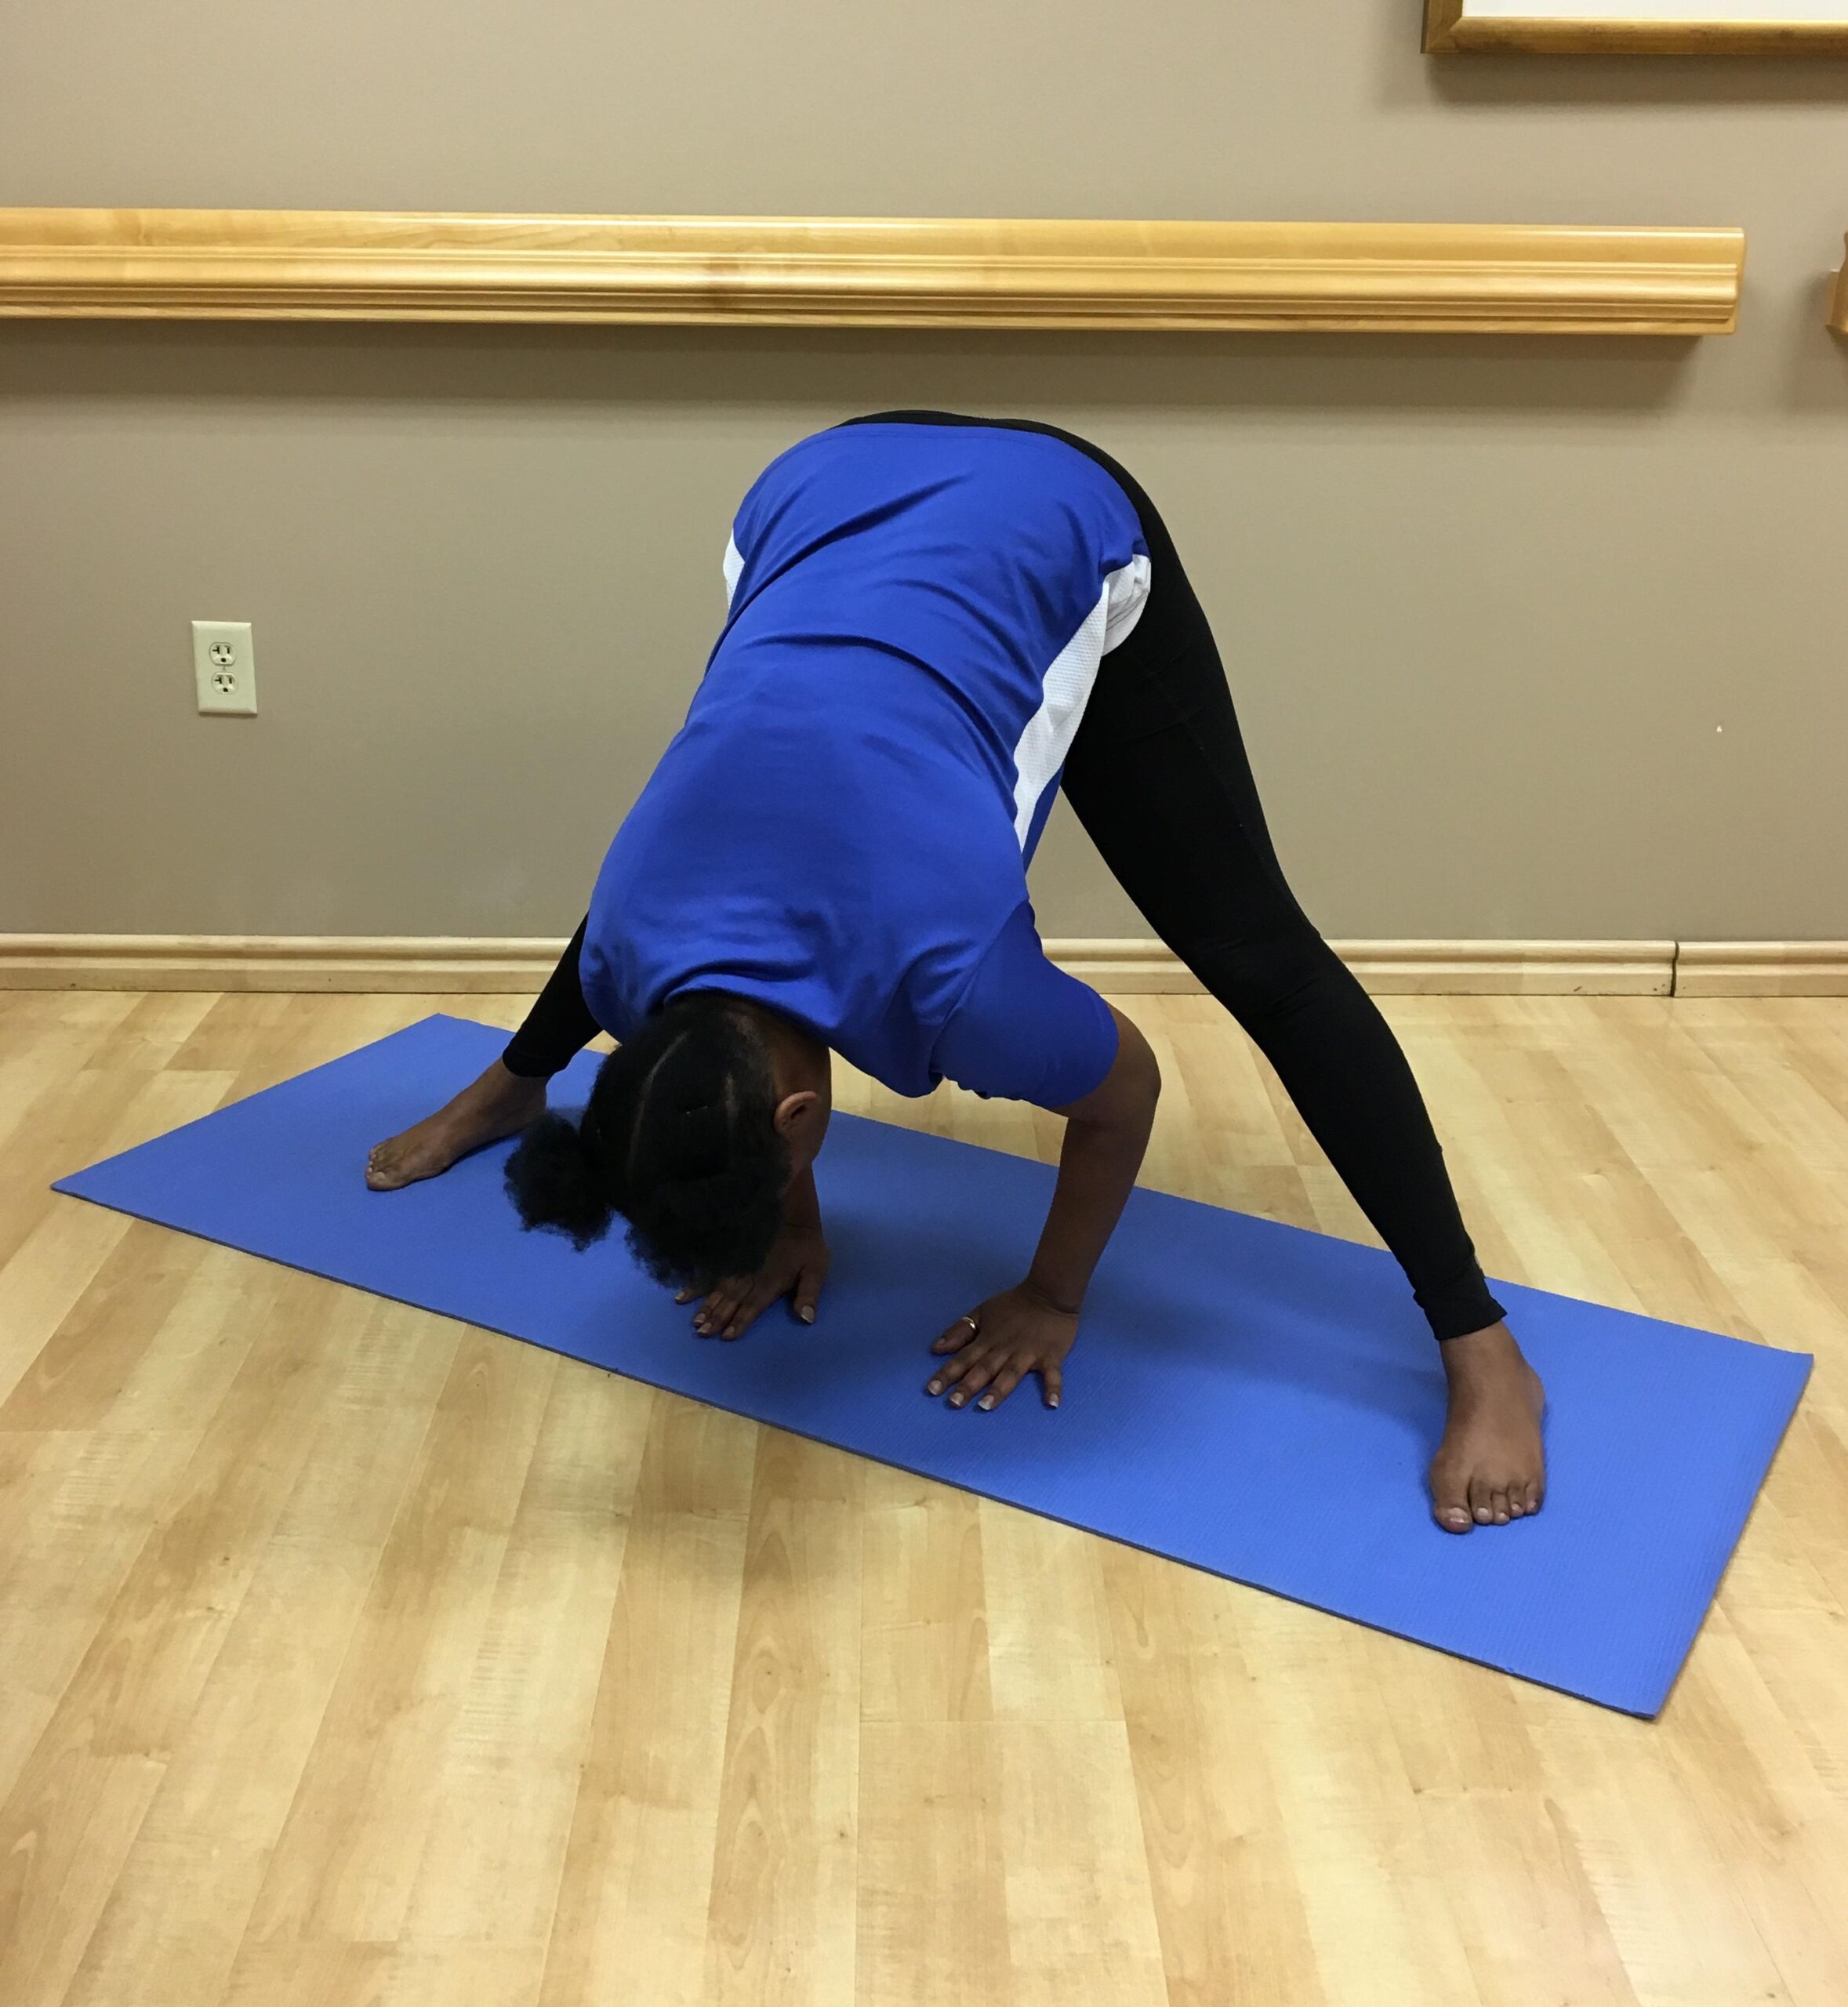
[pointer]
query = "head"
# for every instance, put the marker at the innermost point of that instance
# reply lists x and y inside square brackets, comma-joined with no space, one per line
[695,1126]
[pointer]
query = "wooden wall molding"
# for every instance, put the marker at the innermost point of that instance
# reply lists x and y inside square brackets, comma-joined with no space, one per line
[1397,968]
[287,264]
[1449,30]
[1762,968]
[1838,305]
[440,966]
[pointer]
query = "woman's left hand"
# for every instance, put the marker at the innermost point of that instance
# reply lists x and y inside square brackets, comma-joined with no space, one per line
[998,1343]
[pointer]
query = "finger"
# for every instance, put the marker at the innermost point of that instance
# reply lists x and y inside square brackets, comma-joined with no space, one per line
[978,1376]
[961,1333]
[808,1294]
[1005,1381]
[1051,1383]
[952,1369]
[713,1311]
[755,1303]
[739,1320]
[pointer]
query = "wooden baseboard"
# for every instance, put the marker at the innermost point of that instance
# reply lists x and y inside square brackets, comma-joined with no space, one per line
[435,965]
[1403,968]
[1762,968]
[352,962]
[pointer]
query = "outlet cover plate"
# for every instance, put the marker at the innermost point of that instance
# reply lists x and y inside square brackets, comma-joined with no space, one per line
[224,668]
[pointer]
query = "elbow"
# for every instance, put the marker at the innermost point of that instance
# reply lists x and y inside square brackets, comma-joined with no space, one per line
[1142,1070]
[1152,1089]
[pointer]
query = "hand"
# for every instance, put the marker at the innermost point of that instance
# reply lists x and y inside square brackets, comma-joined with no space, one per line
[997,1345]
[797,1267]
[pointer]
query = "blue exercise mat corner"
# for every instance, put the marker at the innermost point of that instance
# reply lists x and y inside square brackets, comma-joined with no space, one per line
[1245,1397]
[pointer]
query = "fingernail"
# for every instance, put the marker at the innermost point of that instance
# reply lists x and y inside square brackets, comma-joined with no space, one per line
[957,1400]
[987,1401]
[808,1313]
[935,1387]
[1054,1402]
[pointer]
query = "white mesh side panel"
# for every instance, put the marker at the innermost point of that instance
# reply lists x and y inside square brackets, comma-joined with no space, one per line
[1052,728]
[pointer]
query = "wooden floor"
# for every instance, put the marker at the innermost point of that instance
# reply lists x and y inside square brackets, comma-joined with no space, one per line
[351,1656]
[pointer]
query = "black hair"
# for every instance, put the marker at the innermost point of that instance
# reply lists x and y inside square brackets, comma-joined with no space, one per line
[679,1138]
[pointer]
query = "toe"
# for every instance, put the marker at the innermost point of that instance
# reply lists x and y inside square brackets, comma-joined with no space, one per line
[1480,1510]
[1449,1506]
[1498,1507]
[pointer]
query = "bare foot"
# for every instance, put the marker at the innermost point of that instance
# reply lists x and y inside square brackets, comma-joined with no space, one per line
[1490,1468]
[498,1103]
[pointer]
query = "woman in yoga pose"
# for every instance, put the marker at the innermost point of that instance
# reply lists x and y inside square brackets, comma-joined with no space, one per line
[934,621]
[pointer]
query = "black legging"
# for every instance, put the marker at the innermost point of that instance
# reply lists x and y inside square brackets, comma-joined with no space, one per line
[1158,776]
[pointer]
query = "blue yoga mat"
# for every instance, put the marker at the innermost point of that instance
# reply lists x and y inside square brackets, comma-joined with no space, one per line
[1245,1397]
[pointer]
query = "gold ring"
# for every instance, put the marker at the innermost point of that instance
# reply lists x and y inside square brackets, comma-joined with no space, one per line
[969,1321]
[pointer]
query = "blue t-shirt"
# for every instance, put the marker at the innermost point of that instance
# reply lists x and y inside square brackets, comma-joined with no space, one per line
[841,829]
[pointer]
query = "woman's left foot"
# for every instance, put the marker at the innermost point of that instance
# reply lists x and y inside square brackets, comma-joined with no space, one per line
[497,1105]
[1490,1468]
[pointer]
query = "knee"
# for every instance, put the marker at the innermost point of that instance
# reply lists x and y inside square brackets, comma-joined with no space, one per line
[1271,975]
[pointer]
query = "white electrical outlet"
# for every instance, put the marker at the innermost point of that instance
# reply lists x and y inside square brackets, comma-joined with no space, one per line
[224,667]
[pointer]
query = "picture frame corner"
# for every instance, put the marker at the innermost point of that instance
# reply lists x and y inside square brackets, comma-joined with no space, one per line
[1443,18]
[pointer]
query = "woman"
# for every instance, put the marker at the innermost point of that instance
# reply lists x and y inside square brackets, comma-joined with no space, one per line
[933,620]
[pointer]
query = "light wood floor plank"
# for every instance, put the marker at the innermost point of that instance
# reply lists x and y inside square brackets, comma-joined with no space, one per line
[346,1862]
[1232,1919]
[645,1829]
[182,1900]
[781,1922]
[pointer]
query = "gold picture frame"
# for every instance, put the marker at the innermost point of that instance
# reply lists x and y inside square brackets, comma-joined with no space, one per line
[1574,28]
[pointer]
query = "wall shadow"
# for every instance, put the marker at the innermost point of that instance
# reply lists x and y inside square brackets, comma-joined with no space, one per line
[306,362]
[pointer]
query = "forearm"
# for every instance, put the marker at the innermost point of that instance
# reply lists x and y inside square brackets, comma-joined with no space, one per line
[801,1205]
[1097,1172]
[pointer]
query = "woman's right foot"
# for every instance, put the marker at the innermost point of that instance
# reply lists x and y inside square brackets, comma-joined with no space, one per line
[499,1105]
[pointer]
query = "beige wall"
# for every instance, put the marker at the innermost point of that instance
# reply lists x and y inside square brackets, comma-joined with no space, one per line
[1530,639]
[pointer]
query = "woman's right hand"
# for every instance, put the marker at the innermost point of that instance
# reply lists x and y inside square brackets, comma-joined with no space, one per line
[797,1269]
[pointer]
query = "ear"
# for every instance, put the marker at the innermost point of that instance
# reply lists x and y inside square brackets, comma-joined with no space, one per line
[794,1113]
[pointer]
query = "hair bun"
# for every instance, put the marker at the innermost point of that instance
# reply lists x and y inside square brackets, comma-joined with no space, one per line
[553,1181]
